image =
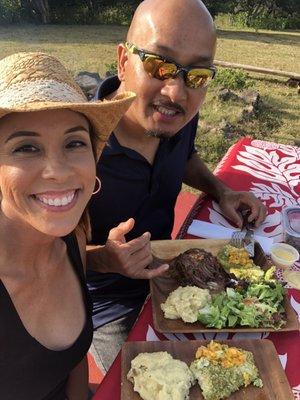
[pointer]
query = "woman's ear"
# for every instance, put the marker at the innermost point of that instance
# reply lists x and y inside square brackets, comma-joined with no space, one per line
[122,61]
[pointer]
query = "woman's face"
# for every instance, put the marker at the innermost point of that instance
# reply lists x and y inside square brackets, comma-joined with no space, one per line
[47,169]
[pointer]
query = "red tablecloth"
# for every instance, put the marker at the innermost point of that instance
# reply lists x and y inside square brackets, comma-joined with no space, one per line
[272,172]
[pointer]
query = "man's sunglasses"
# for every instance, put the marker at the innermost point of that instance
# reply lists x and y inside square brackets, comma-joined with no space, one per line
[162,68]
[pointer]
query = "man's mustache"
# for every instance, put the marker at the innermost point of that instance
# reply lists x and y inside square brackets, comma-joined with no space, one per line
[172,106]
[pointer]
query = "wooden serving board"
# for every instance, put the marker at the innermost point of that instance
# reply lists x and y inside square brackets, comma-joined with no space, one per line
[275,383]
[164,251]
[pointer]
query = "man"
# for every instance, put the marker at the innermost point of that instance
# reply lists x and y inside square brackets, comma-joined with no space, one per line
[149,155]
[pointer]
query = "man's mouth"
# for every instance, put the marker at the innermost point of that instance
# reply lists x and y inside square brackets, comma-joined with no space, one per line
[169,110]
[56,199]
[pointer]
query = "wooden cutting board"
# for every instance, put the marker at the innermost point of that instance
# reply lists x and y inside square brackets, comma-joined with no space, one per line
[164,251]
[276,386]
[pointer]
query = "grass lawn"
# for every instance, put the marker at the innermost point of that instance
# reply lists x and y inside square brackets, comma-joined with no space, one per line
[92,47]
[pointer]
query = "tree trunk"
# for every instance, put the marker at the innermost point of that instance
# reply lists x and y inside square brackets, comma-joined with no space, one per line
[41,7]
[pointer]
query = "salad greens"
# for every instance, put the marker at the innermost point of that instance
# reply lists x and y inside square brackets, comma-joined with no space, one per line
[259,305]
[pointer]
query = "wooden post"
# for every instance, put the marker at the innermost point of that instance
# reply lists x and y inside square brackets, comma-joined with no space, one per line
[260,70]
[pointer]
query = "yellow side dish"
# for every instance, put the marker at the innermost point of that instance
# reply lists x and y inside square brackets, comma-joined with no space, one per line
[283,254]
[221,354]
[239,257]
[293,278]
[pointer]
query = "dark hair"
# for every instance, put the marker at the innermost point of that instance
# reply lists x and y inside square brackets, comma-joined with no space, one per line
[84,222]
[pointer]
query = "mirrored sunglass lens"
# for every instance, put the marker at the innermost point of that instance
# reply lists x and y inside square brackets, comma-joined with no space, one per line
[158,68]
[198,77]
[166,70]
[151,64]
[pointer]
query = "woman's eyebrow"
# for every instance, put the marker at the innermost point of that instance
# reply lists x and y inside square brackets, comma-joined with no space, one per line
[21,133]
[31,133]
[77,128]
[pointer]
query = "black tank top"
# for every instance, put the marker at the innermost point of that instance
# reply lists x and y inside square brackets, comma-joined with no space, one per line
[28,370]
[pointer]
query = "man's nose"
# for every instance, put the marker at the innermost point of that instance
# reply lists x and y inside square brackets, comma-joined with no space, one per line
[57,168]
[175,89]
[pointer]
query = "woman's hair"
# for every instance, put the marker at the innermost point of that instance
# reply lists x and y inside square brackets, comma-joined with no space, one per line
[84,222]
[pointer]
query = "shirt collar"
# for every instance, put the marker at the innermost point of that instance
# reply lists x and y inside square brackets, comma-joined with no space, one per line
[106,87]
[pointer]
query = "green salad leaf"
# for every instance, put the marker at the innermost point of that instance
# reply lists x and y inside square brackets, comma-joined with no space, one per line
[260,305]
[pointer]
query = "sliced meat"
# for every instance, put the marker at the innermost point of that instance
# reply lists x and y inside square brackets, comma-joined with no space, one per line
[200,268]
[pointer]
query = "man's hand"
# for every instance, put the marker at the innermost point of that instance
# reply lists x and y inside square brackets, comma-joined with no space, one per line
[230,202]
[126,258]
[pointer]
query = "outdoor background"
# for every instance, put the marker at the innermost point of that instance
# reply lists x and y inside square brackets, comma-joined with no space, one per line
[263,33]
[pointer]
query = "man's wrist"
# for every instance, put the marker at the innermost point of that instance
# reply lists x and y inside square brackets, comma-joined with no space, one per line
[220,190]
[95,258]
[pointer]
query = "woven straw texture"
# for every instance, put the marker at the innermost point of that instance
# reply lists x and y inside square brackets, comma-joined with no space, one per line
[37,81]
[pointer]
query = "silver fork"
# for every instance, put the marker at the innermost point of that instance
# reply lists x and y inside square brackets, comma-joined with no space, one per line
[244,237]
[237,239]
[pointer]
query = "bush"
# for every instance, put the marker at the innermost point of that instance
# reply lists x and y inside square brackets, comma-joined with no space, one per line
[212,147]
[111,69]
[234,79]
[264,21]
[10,11]
[119,14]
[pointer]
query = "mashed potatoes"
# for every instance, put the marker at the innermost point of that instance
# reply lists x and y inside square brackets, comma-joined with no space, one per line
[157,376]
[185,303]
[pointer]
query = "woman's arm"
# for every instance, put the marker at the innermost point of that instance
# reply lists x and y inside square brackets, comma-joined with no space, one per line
[77,386]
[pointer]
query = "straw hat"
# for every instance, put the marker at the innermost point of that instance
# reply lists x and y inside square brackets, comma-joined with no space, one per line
[38,81]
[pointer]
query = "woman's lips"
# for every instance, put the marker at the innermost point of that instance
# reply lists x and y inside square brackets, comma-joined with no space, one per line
[57,201]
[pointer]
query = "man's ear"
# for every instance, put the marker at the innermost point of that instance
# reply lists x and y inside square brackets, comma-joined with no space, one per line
[122,60]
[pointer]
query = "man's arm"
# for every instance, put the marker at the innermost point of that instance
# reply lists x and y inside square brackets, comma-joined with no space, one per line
[199,177]
[130,259]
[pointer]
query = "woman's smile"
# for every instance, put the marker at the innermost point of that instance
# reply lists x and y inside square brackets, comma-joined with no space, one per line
[57,201]
[47,169]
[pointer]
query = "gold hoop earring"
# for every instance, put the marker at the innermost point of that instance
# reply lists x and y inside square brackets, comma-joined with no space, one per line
[99,186]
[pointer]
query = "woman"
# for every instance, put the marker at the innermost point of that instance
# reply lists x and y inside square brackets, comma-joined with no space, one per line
[50,139]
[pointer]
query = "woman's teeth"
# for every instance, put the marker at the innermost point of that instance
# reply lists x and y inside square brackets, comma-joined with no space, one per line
[56,201]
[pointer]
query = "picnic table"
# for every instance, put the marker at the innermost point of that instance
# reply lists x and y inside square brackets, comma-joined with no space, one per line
[272,172]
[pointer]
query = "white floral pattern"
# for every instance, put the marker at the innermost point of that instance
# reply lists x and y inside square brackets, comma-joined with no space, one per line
[270,167]
[280,176]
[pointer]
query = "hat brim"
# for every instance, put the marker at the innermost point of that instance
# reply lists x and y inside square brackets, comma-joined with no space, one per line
[104,115]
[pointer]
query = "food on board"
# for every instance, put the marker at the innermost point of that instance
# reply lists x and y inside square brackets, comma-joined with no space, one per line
[237,261]
[197,267]
[222,370]
[259,306]
[219,369]
[185,303]
[251,297]
[159,376]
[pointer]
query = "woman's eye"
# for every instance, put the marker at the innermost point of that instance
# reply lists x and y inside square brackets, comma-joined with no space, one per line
[74,144]
[26,148]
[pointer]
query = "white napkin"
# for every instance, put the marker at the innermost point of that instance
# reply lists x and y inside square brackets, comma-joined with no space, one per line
[208,230]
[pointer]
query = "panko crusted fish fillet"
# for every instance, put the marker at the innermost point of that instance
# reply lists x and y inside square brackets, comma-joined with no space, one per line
[222,370]
[157,376]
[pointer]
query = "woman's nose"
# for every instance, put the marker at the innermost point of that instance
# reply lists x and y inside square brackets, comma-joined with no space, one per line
[57,168]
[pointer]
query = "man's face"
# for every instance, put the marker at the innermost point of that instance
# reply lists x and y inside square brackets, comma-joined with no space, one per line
[164,107]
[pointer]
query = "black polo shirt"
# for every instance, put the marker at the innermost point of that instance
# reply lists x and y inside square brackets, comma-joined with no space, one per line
[131,187]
